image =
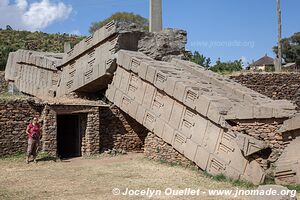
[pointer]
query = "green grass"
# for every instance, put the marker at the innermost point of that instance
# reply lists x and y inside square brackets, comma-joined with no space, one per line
[6,96]
[22,156]
[294,187]
[191,165]
[14,157]
[223,178]
[269,180]
[217,178]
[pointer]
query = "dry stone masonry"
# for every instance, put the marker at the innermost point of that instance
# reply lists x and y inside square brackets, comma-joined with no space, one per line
[214,122]
[15,114]
[120,131]
[274,85]
[191,109]
[3,83]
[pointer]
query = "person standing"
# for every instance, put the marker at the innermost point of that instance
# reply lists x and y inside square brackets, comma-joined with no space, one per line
[34,134]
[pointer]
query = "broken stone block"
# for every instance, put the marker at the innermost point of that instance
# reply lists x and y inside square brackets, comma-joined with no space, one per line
[287,169]
[274,192]
[211,138]
[201,157]
[253,173]
[190,149]
[168,134]
[179,142]
[176,115]
[249,145]
[216,165]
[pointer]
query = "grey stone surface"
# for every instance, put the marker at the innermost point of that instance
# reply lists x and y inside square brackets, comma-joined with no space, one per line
[218,124]
[249,145]
[277,189]
[89,66]
[291,124]
[163,45]
[287,169]
[3,83]
[15,115]
[155,15]
[33,73]
[189,107]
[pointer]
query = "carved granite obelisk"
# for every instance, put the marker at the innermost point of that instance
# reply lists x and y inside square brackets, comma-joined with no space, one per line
[155,15]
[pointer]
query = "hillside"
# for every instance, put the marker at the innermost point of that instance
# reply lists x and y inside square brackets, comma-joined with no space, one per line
[11,40]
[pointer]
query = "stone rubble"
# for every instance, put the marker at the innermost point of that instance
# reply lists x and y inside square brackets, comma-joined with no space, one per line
[220,125]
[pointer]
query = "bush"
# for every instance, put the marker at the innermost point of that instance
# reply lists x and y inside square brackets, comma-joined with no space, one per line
[227,67]
[121,16]
[11,40]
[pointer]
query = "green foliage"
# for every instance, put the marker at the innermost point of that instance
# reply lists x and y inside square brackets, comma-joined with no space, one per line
[294,187]
[11,40]
[223,178]
[124,17]
[7,97]
[219,67]
[269,179]
[290,49]
[227,67]
[15,157]
[200,59]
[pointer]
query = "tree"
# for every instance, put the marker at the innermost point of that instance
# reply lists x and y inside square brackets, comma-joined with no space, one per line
[124,17]
[227,67]
[200,59]
[12,40]
[290,49]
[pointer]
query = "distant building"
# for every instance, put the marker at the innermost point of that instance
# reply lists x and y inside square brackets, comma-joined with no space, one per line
[265,63]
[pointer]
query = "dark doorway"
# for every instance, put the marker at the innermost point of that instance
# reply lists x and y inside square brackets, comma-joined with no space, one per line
[68,136]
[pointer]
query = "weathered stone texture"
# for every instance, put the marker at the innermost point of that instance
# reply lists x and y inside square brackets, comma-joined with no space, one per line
[280,193]
[15,115]
[89,66]
[49,142]
[192,110]
[3,83]
[163,45]
[274,85]
[157,149]
[120,131]
[218,124]
[267,131]
[92,135]
[89,127]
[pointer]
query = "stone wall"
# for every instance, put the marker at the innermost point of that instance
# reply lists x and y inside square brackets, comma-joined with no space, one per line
[15,115]
[119,131]
[89,127]
[92,133]
[49,143]
[3,83]
[157,149]
[274,85]
[267,131]
[105,128]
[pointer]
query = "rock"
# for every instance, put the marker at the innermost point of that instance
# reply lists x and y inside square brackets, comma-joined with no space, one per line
[276,86]
[249,145]
[3,83]
[276,190]
[163,45]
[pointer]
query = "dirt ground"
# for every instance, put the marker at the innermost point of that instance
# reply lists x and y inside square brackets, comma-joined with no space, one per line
[96,178]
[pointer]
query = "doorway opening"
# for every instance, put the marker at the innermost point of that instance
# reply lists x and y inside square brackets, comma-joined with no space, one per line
[68,136]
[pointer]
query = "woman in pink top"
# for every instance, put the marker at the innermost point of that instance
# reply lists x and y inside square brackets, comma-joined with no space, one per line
[34,134]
